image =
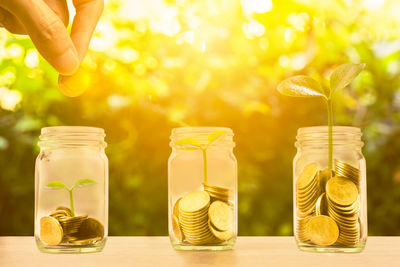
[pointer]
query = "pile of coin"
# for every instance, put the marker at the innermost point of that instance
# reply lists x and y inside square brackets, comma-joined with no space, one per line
[345,170]
[327,201]
[202,218]
[343,207]
[307,186]
[218,193]
[60,227]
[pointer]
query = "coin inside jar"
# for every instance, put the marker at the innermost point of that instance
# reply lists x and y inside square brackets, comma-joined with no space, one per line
[341,191]
[91,228]
[307,176]
[221,216]
[194,201]
[322,230]
[51,231]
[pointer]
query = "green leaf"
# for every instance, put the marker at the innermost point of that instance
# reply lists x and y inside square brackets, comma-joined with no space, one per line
[215,136]
[188,143]
[300,86]
[83,183]
[56,185]
[344,75]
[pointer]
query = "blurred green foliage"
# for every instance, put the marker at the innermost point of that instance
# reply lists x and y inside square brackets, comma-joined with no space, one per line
[156,65]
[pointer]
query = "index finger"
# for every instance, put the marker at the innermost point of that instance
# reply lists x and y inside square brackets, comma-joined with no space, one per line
[87,15]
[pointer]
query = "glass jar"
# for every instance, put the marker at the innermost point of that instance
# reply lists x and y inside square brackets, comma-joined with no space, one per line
[202,189]
[330,204]
[71,190]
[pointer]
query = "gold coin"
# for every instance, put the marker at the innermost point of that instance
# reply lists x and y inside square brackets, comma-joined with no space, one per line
[91,228]
[221,216]
[216,196]
[341,191]
[221,235]
[177,228]
[194,201]
[324,176]
[75,84]
[322,230]
[307,176]
[176,208]
[67,210]
[51,231]
[217,189]
[71,225]
[321,207]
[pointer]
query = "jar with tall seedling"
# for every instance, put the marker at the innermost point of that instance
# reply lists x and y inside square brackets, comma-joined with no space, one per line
[202,189]
[71,190]
[329,173]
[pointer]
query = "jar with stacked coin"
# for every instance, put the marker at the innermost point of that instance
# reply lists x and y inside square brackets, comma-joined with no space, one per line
[330,204]
[71,190]
[202,180]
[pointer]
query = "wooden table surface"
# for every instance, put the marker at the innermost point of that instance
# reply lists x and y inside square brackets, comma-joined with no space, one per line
[157,251]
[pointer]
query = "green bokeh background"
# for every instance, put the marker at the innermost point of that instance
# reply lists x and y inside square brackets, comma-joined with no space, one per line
[209,63]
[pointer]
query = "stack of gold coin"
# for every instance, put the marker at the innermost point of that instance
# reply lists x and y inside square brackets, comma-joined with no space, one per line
[324,176]
[321,206]
[193,217]
[91,230]
[61,212]
[307,190]
[176,227]
[345,170]
[218,192]
[221,220]
[343,207]
[301,229]
[71,225]
[74,229]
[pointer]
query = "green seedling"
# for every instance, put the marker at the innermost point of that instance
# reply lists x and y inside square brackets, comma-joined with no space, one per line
[190,143]
[304,86]
[55,185]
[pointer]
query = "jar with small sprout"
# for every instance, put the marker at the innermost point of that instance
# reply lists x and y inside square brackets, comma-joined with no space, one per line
[71,190]
[202,189]
[329,172]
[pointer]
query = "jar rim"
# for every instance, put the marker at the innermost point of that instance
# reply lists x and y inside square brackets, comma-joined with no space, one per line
[199,129]
[72,129]
[317,136]
[71,136]
[324,128]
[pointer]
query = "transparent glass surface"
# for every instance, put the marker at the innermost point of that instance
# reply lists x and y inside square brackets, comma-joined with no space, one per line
[74,157]
[186,175]
[325,194]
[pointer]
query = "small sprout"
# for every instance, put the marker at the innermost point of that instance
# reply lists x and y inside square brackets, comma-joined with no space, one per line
[304,86]
[55,185]
[190,143]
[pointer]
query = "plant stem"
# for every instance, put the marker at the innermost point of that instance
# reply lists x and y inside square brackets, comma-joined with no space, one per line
[71,203]
[330,126]
[204,165]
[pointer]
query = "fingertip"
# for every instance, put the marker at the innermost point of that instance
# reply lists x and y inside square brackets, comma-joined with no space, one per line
[67,63]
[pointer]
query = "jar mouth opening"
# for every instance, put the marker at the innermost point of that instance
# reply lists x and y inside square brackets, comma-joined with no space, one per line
[199,130]
[72,136]
[317,136]
[72,130]
[324,129]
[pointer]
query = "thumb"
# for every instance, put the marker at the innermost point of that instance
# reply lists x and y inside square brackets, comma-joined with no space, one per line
[47,32]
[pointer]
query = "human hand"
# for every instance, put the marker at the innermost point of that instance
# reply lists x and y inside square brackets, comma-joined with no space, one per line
[45,22]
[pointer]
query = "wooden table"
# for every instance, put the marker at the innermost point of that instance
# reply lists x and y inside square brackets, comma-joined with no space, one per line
[157,251]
